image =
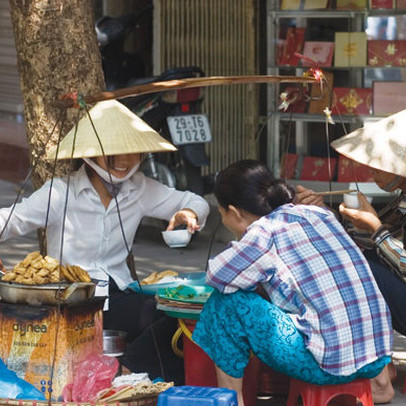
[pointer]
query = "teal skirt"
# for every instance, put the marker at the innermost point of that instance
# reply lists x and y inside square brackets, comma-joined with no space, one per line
[231,326]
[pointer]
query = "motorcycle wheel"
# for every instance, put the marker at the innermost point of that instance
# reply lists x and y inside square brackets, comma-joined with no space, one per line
[190,178]
[161,173]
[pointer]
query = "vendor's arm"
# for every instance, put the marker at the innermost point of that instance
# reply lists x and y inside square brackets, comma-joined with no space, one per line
[364,218]
[389,248]
[244,264]
[28,215]
[184,216]
[177,207]
[308,197]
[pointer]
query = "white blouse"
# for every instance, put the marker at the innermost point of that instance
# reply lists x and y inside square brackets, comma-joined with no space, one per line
[92,237]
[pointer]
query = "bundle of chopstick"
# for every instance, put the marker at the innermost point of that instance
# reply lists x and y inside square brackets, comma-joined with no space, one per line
[335,192]
[131,392]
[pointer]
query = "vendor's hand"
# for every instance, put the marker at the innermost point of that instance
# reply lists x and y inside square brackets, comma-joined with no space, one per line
[364,218]
[2,269]
[307,196]
[184,216]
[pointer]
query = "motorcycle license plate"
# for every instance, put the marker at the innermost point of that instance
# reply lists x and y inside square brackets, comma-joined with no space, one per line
[189,129]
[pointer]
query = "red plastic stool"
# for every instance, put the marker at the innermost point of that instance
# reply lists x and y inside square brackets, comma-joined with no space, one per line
[320,395]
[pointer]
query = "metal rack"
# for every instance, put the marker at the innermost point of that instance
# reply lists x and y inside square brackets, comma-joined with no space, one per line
[357,21]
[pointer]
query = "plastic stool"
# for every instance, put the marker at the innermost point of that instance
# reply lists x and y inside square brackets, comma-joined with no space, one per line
[320,395]
[197,396]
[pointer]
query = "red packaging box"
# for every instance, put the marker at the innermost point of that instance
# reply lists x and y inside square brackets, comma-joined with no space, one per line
[381,4]
[389,97]
[351,171]
[294,43]
[386,53]
[319,52]
[288,166]
[315,168]
[351,101]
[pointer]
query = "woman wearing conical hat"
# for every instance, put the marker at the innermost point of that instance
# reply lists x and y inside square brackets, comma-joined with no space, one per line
[382,147]
[108,197]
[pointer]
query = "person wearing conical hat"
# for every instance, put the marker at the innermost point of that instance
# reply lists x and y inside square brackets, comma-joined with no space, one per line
[106,199]
[382,236]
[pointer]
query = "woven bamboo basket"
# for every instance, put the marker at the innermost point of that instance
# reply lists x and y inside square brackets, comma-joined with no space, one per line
[145,400]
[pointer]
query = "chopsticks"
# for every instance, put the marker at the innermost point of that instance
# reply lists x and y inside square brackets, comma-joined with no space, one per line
[335,192]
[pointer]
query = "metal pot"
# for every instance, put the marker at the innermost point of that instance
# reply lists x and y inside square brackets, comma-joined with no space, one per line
[49,294]
[114,342]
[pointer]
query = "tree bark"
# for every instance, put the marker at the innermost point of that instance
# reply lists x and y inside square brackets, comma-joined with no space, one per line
[57,53]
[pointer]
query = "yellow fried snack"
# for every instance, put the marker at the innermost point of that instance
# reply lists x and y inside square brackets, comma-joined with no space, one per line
[67,273]
[81,274]
[35,269]
[155,277]
[9,276]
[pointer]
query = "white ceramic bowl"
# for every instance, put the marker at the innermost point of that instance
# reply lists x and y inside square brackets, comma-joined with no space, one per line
[351,200]
[176,238]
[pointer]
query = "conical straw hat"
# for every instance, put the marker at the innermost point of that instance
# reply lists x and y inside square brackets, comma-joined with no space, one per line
[381,145]
[120,132]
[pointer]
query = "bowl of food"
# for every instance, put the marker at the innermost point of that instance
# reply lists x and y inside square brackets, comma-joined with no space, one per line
[351,200]
[176,238]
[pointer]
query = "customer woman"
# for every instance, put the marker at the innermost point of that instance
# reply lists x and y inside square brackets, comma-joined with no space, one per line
[105,202]
[325,320]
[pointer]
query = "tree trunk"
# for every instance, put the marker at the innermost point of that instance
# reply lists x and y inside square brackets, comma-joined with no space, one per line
[57,53]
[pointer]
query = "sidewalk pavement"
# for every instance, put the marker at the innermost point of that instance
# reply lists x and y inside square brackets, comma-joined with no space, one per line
[151,254]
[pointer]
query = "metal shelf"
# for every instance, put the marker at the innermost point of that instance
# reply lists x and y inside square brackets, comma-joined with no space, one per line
[333,13]
[389,67]
[320,118]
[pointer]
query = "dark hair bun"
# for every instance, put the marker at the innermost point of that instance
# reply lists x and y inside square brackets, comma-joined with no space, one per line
[280,193]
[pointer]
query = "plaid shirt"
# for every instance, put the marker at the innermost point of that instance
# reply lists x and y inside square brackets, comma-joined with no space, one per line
[311,269]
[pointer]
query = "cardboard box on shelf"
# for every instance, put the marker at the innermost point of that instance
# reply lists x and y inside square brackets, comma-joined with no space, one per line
[318,51]
[351,4]
[350,49]
[321,97]
[351,101]
[315,168]
[294,43]
[315,4]
[351,171]
[388,97]
[304,4]
[288,166]
[382,4]
[386,53]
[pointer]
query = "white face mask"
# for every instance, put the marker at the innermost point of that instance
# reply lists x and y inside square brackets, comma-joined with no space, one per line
[106,176]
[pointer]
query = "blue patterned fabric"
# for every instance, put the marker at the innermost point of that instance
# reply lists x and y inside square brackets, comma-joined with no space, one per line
[230,326]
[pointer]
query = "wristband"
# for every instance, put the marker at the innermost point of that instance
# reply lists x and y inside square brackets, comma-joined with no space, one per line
[379,235]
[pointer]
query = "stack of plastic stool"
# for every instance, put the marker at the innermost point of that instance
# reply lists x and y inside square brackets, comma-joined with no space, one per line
[320,395]
[197,396]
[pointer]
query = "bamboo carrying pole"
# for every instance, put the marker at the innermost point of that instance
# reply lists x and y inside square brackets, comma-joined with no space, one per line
[67,100]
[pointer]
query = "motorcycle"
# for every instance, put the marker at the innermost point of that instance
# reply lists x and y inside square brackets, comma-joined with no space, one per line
[176,114]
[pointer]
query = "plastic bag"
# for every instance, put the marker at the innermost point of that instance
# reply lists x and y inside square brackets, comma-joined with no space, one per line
[13,387]
[91,376]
